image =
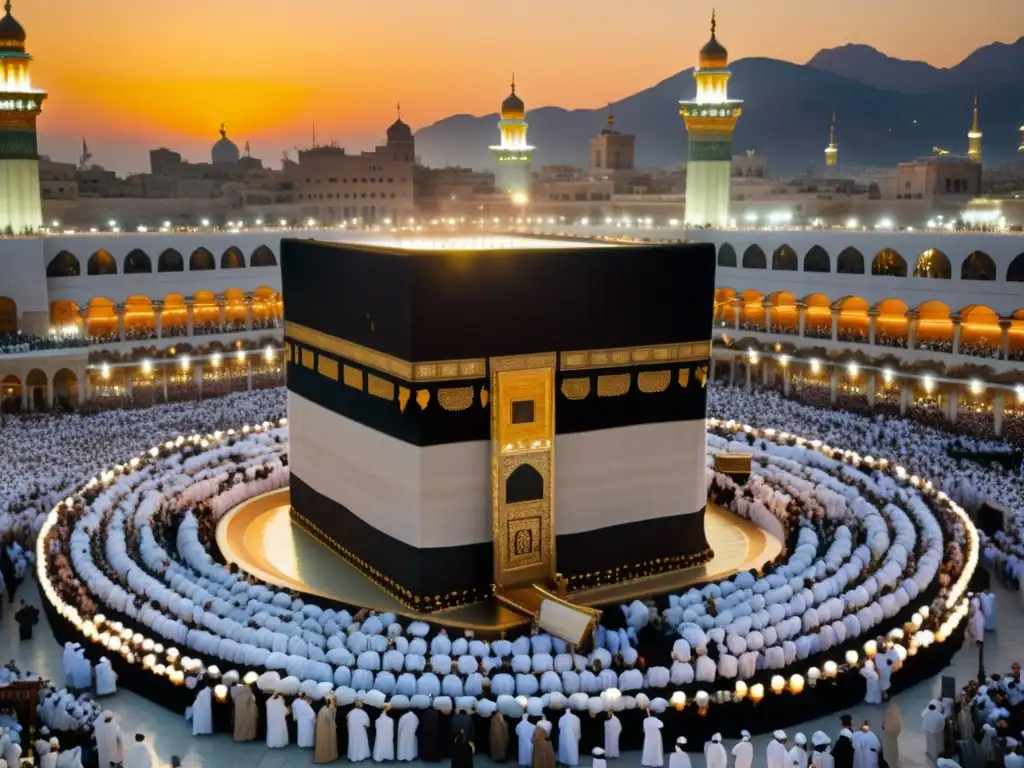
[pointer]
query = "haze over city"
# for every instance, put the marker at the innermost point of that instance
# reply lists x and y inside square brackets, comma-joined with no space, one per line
[131,76]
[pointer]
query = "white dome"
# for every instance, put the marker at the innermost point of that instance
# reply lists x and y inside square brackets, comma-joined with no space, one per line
[225,150]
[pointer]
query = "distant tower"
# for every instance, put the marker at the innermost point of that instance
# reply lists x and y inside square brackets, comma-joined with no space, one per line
[514,157]
[974,136]
[20,104]
[832,150]
[400,139]
[710,122]
[225,150]
[1021,147]
[612,153]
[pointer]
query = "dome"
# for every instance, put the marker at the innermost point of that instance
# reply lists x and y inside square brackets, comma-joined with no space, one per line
[713,55]
[399,131]
[225,150]
[12,34]
[513,108]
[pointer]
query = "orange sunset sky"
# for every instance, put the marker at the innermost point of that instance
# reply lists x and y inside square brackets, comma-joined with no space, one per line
[129,75]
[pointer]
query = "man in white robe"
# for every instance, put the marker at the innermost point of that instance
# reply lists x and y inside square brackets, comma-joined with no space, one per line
[743,752]
[277,725]
[776,753]
[109,741]
[305,723]
[598,760]
[679,758]
[714,753]
[81,671]
[408,746]
[137,755]
[524,737]
[873,689]
[653,752]
[612,731]
[106,678]
[976,623]
[569,732]
[798,754]
[988,609]
[820,757]
[384,737]
[358,724]
[202,713]
[933,723]
[866,748]
[885,665]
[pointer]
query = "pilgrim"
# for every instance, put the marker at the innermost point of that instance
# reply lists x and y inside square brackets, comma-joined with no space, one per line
[201,712]
[892,727]
[543,752]
[743,751]
[358,723]
[524,740]
[109,740]
[408,744]
[820,757]
[612,731]
[569,733]
[277,722]
[714,753]
[653,755]
[498,741]
[305,722]
[798,754]
[776,753]
[106,678]
[933,723]
[137,754]
[326,749]
[597,759]
[866,748]
[246,713]
[384,737]
[679,758]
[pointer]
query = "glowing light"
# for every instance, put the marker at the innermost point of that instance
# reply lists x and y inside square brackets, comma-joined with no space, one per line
[268,354]
[147,366]
[884,224]
[259,222]
[929,383]
[815,365]
[283,223]
[310,223]
[185,362]
[977,386]
[1019,390]
[853,369]
[216,358]
[753,356]
[240,355]
[783,360]
[205,222]
[519,198]
[105,370]
[887,375]
[852,223]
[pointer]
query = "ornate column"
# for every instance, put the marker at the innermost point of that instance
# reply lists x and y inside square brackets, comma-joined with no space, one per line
[1004,332]
[119,310]
[785,380]
[158,322]
[732,371]
[904,396]
[83,312]
[953,404]
[872,385]
[835,323]
[24,397]
[767,315]
[872,325]
[747,369]
[737,306]
[764,372]
[248,311]
[801,317]
[998,411]
[711,369]
[912,317]
[190,311]
[165,368]
[958,321]
[833,385]
[222,312]
[248,374]
[197,377]
[82,374]
[49,393]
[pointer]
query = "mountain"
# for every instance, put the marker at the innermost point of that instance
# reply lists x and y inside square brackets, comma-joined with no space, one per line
[995,63]
[786,117]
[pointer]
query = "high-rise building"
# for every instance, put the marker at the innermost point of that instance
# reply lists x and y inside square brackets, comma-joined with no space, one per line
[20,104]
[513,156]
[832,150]
[974,136]
[612,151]
[710,121]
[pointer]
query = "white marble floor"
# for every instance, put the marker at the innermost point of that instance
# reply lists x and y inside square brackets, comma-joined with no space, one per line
[170,735]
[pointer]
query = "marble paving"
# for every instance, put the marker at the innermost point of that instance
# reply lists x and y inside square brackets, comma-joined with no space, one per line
[168,734]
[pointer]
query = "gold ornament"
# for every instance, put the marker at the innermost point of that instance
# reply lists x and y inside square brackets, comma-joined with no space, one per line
[613,386]
[403,398]
[684,377]
[576,389]
[455,398]
[651,382]
[423,398]
[484,397]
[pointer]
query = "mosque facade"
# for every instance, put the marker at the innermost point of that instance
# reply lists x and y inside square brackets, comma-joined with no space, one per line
[20,106]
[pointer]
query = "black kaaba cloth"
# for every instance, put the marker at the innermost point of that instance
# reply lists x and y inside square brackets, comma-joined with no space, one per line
[362,323]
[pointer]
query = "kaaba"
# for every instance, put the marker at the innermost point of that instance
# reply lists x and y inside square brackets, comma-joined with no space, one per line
[475,416]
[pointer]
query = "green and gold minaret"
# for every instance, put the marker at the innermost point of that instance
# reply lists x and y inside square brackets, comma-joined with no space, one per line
[832,150]
[514,155]
[710,122]
[20,104]
[974,135]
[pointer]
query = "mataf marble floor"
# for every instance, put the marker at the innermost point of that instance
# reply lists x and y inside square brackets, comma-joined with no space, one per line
[168,734]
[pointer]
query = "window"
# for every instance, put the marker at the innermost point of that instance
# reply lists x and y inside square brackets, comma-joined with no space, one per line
[522,411]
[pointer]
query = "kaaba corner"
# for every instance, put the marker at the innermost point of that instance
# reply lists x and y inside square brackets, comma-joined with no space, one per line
[480,415]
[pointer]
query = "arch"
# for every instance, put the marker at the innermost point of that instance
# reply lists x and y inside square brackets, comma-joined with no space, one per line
[852,304]
[978,266]
[1015,272]
[170,261]
[726,255]
[889,263]
[754,258]
[232,258]
[264,257]
[137,262]
[8,315]
[524,484]
[850,262]
[934,264]
[101,263]
[817,260]
[784,259]
[782,299]
[10,394]
[201,260]
[64,313]
[65,387]
[64,264]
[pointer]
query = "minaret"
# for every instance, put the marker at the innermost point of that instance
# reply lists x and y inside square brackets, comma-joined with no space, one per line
[513,156]
[1021,147]
[710,122]
[832,150]
[974,136]
[21,206]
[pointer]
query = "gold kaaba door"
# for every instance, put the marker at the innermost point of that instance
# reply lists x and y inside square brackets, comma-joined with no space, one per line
[523,468]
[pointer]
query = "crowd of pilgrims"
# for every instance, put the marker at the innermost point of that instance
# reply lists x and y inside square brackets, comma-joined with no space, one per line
[50,456]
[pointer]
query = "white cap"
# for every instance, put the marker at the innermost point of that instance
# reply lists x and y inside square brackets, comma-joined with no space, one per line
[681,740]
[745,734]
[800,739]
[716,738]
[597,752]
[780,735]
[820,739]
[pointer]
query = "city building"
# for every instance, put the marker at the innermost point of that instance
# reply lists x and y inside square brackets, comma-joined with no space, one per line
[613,156]
[20,105]
[710,121]
[938,176]
[513,156]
